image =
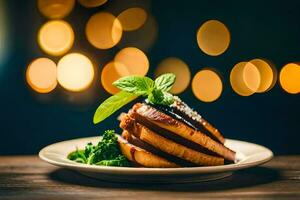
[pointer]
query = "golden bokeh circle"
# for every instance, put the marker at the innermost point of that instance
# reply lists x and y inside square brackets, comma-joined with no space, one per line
[177,67]
[213,37]
[56,37]
[251,77]
[289,78]
[267,74]
[103,30]
[134,59]
[111,72]
[207,85]
[92,3]
[55,9]
[132,18]
[41,75]
[75,72]
[245,78]
[142,38]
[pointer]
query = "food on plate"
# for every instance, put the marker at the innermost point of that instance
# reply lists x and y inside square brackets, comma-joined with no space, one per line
[161,130]
[106,152]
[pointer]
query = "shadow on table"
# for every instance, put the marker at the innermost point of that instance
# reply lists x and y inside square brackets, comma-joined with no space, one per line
[242,178]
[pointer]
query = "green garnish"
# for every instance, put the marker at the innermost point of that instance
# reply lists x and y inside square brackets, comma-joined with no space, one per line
[112,104]
[155,91]
[106,152]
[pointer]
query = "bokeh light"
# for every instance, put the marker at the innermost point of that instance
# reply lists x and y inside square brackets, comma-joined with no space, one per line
[75,72]
[41,75]
[92,3]
[245,78]
[103,30]
[142,38]
[268,74]
[4,34]
[56,37]
[251,76]
[213,37]
[289,78]
[177,67]
[55,9]
[207,85]
[110,73]
[134,59]
[132,18]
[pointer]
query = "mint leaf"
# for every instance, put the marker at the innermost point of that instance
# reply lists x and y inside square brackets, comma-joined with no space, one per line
[135,84]
[165,82]
[111,105]
[156,97]
[159,97]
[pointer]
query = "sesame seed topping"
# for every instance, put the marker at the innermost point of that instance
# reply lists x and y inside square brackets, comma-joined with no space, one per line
[183,107]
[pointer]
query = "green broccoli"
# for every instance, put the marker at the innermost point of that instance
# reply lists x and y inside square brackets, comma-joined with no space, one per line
[106,152]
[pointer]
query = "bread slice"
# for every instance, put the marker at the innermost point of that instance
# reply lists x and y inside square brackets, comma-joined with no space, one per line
[143,112]
[139,143]
[197,120]
[166,145]
[142,157]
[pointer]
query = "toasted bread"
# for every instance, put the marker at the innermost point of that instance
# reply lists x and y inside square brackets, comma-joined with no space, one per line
[139,143]
[142,157]
[166,145]
[178,128]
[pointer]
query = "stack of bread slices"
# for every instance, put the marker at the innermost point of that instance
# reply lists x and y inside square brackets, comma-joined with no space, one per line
[171,136]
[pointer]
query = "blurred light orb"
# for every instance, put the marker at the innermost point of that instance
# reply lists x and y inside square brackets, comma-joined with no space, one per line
[177,67]
[132,18]
[245,78]
[41,75]
[213,37]
[251,77]
[134,59]
[4,33]
[103,30]
[92,3]
[56,37]
[207,85]
[55,9]
[142,38]
[110,73]
[267,72]
[75,72]
[289,78]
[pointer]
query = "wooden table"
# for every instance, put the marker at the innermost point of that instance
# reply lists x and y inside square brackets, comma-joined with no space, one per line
[27,177]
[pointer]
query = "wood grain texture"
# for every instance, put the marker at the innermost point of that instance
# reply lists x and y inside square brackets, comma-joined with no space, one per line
[27,177]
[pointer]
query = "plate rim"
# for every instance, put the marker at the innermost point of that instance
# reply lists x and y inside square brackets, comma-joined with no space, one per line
[144,170]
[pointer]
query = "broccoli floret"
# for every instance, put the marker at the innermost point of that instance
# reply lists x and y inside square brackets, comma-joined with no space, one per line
[106,152]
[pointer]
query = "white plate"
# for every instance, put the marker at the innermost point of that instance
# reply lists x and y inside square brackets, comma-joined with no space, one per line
[248,154]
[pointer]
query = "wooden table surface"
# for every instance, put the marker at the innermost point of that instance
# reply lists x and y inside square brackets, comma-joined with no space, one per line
[27,177]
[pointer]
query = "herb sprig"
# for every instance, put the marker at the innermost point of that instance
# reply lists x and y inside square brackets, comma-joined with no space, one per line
[155,91]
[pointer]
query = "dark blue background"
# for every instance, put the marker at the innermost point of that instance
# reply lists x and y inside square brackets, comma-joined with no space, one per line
[268,29]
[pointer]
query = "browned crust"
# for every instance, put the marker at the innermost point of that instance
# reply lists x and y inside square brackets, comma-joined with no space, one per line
[176,127]
[139,143]
[143,157]
[167,145]
[212,130]
[208,127]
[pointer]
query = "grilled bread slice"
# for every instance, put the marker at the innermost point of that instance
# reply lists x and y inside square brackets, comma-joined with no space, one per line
[142,157]
[182,108]
[139,143]
[142,112]
[166,145]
